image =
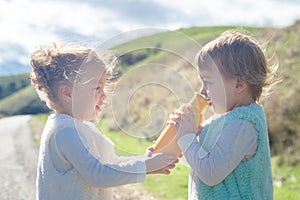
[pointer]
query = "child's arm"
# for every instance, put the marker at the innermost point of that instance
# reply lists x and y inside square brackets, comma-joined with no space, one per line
[71,148]
[153,165]
[237,142]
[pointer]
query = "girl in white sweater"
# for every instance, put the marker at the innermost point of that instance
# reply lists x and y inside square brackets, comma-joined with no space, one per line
[76,161]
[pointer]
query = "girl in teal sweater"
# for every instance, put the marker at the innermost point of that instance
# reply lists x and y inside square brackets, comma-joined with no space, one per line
[230,159]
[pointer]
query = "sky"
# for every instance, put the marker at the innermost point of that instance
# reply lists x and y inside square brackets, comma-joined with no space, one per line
[27,24]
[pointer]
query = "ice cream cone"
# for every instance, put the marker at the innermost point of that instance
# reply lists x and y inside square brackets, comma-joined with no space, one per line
[167,141]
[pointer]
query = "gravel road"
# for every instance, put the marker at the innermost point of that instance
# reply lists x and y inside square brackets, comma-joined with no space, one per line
[18,161]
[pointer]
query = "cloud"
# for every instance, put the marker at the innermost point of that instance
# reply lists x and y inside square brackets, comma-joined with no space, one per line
[236,12]
[136,12]
[40,20]
[30,23]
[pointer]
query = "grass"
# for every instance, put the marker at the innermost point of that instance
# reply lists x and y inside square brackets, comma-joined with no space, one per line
[13,83]
[42,118]
[157,185]
[286,178]
[125,145]
[17,100]
[17,78]
[23,101]
[173,186]
[36,125]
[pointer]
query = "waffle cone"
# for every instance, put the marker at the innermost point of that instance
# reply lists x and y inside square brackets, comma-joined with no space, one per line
[167,141]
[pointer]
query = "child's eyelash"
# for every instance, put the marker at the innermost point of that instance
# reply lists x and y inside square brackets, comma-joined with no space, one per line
[205,81]
[98,88]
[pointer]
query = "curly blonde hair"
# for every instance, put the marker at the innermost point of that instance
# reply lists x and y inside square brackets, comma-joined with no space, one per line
[55,65]
[239,56]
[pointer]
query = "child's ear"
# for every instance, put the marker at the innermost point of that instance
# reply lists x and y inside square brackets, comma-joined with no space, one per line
[65,93]
[241,85]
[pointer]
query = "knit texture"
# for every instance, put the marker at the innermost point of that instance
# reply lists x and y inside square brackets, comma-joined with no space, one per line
[53,184]
[252,178]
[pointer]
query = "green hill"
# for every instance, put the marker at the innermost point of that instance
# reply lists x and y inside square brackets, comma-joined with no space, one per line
[24,101]
[13,83]
[17,96]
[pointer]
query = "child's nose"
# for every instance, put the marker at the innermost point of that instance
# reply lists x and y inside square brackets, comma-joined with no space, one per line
[204,91]
[103,97]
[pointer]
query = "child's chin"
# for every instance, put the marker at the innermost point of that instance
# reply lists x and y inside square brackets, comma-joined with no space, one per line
[97,111]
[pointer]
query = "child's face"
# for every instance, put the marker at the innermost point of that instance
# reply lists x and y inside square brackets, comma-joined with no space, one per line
[219,90]
[89,96]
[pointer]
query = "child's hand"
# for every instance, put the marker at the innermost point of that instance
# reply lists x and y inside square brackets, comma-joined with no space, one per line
[150,151]
[159,163]
[184,123]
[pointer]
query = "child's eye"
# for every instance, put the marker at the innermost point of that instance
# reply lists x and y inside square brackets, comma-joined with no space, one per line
[98,88]
[208,82]
[205,82]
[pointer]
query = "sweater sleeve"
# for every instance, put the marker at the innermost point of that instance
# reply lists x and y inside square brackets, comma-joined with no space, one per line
[237,142]
[99,174]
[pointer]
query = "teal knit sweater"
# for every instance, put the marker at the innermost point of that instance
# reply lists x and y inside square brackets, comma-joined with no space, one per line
[252,178]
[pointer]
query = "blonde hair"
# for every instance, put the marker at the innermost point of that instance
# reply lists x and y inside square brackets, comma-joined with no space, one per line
[55,65]
[239,56]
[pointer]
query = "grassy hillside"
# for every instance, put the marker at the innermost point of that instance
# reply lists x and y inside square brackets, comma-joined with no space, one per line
[17,96]
[24,101]
[13,83]
[283,106]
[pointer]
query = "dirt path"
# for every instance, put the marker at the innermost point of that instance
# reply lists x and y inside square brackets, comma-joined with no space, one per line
[18,160]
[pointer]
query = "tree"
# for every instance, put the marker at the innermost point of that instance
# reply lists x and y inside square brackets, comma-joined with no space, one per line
[1,92]
[12,87]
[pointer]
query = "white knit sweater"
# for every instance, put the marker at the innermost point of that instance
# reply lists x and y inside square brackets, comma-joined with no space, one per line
[81,180]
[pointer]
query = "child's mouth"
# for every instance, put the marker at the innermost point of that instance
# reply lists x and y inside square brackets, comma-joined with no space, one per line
[98,108]
[207,99]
